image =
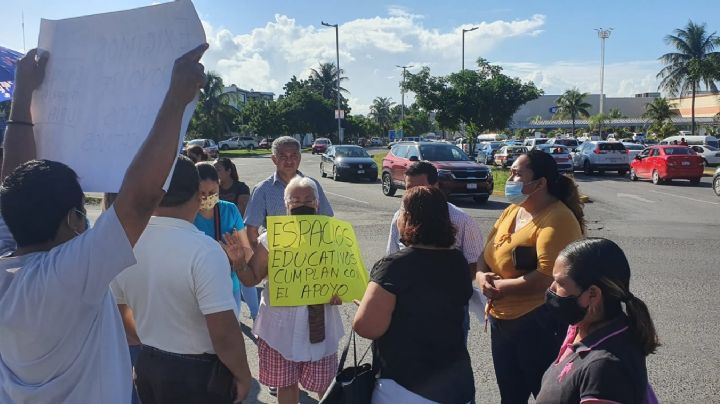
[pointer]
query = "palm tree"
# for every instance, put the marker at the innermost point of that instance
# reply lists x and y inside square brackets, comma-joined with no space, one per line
[572,104]
[658,111]
[380,111]
[693,65]
[215,111]
[615,113]
[324,81]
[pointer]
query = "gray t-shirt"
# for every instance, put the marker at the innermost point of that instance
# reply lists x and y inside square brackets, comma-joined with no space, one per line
[62,336]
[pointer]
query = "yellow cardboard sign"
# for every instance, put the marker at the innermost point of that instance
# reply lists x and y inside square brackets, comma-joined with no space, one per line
[311,258]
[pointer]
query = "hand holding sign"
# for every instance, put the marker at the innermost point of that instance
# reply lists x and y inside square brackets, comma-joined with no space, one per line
[30,72]
[188,75]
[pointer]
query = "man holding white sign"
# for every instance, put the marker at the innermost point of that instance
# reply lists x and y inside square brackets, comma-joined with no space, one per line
[62,337]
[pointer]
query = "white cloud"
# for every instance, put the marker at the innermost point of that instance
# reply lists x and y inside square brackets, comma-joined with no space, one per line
[621,79]
[266,57]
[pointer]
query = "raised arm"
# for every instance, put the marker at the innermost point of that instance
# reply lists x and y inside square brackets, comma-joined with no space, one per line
[141,190]
[19,136]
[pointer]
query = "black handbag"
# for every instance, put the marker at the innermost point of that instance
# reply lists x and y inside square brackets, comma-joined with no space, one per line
[352,385]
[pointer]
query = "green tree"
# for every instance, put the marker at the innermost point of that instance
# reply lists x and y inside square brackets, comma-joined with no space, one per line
[381,112]
[694,64]
[571,104]
[306,111]
[362,126]
[214,114]
[324,81]
[263,118]
[615,113]
[596,122]
[482,99]
[658,111]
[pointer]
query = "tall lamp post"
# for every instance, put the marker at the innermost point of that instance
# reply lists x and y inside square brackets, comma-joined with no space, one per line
[463,44]
[337,54]
[402,92]
[603,34]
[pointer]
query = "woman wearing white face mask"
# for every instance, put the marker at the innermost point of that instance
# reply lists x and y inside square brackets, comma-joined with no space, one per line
[220,220]
[545,216]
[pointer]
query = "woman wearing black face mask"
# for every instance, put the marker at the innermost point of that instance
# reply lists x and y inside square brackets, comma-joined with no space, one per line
[602,360]
[296,345]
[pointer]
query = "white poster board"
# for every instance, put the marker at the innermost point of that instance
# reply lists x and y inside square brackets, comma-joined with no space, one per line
[106,78]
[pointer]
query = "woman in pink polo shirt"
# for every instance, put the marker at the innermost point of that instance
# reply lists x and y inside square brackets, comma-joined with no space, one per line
[602,360]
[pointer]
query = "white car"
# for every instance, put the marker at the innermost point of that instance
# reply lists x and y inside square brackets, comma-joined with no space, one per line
[710,154]
[601,156]
[633,149]
[238,142]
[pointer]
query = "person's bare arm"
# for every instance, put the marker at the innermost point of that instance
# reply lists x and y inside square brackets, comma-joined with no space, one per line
[372,318]
[141,190]
[533,282]
[256,270]
[19,146]
[229,344]
[253,233]
[129,324]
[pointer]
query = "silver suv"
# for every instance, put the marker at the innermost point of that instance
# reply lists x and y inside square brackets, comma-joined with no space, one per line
[601,156]
[239,142]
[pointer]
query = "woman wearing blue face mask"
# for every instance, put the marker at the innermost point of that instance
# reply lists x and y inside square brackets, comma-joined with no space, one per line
[545,216]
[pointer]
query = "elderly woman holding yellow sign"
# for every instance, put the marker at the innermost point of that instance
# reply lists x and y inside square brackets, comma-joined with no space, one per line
[296,344]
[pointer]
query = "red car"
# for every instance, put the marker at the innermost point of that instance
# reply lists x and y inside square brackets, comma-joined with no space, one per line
[458,175]
[320,145]
[667,162]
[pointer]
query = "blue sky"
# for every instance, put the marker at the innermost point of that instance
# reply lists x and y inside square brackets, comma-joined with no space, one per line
[260,44]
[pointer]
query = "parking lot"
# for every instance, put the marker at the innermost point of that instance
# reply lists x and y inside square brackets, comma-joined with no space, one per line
[670,234]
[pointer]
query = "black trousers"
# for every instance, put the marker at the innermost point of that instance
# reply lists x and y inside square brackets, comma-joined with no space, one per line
[522,350]
[165,378]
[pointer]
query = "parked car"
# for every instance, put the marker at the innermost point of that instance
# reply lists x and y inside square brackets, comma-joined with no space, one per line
[348,161]
[507,155]
[238,142]
[561,155]
[532,142]
[711,155]
[633,149]
[320,145]
[376,141]
[667,162]
[209,146]
[570,142]
[693,140]
[265,143]
[716,182]
[601,156]
[486,151]
[458,175]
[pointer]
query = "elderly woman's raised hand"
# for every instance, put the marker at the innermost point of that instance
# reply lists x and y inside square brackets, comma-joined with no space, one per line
[335,300]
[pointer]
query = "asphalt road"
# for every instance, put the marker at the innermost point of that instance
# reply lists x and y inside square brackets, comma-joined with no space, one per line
[669,233]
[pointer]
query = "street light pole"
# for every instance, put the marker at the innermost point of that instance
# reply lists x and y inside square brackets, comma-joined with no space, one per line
[337,84]
[402,92]
[603,34]
[463,44]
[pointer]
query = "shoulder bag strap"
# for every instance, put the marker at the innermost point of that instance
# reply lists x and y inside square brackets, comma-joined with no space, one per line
[216,214]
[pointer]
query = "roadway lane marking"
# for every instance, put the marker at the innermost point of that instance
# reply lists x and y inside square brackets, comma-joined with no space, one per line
[633,196]
[685,197]
[347,197]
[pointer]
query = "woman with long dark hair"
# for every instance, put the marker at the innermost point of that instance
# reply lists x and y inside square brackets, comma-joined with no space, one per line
[545,216]
[611,332]
[231,188]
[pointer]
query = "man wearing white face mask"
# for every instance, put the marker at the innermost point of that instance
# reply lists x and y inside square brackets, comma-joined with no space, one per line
[545,216]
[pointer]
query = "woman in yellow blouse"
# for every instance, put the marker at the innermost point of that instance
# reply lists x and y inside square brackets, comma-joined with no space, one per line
[545,215]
